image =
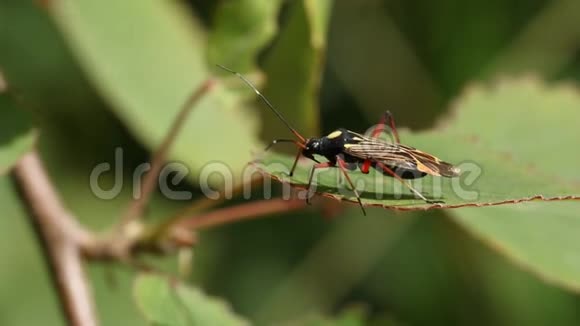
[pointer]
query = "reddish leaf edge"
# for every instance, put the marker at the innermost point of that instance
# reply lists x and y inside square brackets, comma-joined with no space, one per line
[443,124]
[538,198]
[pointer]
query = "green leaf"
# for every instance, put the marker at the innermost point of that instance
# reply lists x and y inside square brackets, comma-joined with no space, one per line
[240,30]
[521,137]
[294,66]
[535,127]
[497,181]
[530,124]
[146,57]
[489,177]
[167,302]
[16,133]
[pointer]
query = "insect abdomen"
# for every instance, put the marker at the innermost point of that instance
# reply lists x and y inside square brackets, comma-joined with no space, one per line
[402,172]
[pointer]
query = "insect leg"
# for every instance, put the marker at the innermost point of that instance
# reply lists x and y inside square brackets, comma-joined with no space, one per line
[342,166]
[322,165]
[387,118]
[396,176]
[295,163]
[391,121]
[366,166]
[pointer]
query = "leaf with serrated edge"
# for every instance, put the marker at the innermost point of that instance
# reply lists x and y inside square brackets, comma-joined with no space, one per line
[169,302]
[533,126]
[519,132]
[498,179]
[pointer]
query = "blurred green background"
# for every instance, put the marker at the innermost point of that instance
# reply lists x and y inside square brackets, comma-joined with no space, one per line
[101,74]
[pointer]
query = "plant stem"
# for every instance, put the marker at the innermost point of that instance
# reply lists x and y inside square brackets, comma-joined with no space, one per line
[61,239]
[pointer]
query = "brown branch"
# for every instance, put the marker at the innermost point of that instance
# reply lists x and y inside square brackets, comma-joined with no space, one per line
[246,211]
[135,209]
[205,203]
[65,242]
[61,237]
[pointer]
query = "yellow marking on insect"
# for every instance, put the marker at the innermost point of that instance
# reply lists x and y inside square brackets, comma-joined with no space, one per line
[357,138]
[348,145]
[423,168]
[334,134]
[455,171]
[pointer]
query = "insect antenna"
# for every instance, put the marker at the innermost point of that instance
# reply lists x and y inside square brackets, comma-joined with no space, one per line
[265,100]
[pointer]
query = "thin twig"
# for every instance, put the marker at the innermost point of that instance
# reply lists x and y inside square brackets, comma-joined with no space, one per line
[205,203]
[62,238]
[135,209]
[246,211]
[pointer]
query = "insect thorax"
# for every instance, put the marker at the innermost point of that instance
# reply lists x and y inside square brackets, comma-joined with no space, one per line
[333,144]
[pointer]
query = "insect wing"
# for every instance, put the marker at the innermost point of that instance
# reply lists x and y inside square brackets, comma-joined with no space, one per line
[377,150]
[400,156]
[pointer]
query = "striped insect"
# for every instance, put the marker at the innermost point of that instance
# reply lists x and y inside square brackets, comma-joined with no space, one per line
[349,150]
